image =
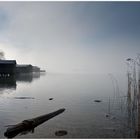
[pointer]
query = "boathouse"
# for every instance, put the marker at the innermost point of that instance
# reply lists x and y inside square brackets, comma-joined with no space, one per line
[7,67]
[24,69]
[36,69]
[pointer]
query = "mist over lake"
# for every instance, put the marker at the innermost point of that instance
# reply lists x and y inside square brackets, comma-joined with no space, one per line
[69,69]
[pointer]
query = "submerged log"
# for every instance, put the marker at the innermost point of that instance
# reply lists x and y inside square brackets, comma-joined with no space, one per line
[30,124]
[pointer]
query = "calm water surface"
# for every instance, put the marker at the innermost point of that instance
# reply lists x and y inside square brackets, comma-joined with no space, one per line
[83,118]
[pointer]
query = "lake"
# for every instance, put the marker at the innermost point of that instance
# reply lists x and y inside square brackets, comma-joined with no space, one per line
[95,105]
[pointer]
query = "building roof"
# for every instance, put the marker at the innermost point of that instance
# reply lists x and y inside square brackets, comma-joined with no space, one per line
[23,65]
[7,61]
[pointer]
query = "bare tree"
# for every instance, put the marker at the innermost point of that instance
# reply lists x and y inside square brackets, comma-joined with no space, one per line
[2,55]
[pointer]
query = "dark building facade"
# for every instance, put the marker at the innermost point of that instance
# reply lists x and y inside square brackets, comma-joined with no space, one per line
[7,67]
[36,69]
[24,69]
[10,67]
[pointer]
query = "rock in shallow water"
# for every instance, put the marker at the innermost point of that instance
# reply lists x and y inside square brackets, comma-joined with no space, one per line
[107,115]
[98,101]
[61,133]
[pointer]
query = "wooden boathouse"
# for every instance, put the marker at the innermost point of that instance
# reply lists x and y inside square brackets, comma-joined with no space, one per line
[10,67]
[7,67]
[24,69]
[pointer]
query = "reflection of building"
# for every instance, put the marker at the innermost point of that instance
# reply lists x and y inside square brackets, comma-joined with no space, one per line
[24,77]
[8,82]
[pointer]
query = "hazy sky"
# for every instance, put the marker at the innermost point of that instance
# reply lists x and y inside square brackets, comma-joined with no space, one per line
[81,37]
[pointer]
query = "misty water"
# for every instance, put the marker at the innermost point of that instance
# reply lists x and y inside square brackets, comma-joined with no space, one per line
[83,117]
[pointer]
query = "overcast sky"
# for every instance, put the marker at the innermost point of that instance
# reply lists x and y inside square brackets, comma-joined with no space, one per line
[69,37]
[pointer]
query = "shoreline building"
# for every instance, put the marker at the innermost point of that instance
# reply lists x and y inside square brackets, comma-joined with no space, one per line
[23,68]
[7,67]
[10,67]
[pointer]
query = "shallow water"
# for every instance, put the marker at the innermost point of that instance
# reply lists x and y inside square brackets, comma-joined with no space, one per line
[28,97]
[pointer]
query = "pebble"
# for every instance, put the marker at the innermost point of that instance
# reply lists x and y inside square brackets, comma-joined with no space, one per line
[61,133]
[98,101]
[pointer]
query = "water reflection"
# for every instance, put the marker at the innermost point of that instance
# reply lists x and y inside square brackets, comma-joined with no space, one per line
[10,82]
[27,77]
[91,112]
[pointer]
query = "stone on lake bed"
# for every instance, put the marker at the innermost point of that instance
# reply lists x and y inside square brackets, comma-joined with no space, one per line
[107,115]
[50,98]
[24,97]
[61,133]
[98,101]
